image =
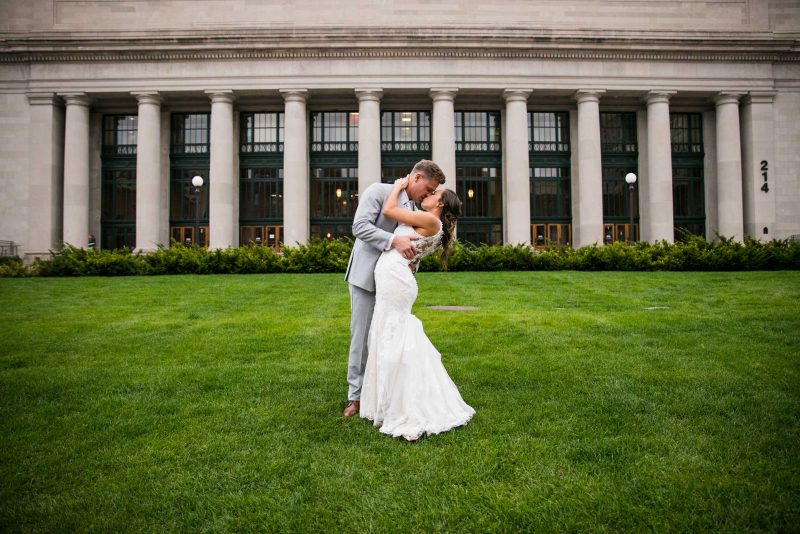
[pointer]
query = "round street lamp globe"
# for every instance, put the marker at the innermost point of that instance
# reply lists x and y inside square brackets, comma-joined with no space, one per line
[197,181]
[630,178]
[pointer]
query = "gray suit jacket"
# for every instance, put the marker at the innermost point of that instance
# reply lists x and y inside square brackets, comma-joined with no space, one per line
[372,232]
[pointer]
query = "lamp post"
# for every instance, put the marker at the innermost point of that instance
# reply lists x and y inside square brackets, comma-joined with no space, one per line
[631,179]
[197,182]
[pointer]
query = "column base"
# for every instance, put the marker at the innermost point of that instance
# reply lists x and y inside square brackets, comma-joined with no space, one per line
[30,255]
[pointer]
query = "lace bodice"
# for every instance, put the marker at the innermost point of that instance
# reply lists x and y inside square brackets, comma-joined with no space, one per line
[424,245]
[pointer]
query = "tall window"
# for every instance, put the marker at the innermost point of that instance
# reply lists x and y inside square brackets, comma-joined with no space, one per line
[190,132]
[189,157]
[688,197]
[261,179]
[334,173]
[479,176]
[405,139]
[620,154]
[551,204]
[120,135]
[334,131]
[118,187]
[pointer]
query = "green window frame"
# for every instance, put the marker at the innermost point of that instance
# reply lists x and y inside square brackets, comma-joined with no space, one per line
[620,155]
[688,183]
[479,180]
[478,131]
[261,132]
[120,135]
[550,177]
[261,195]
[190,133]
[118,181]
[550,194]
[618,133]
[334,199]
[334,173]
[189,157]
[686,133]
[405,131]
[480,190]
[261,179]
[405,140]
[334,131]
[616,195]
[548,132]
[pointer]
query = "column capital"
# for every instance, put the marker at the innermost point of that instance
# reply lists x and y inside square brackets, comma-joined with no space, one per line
[759,97]
[44,99]
[294,95]
[517,95]
[148,97]
[588,95]
[727,97]
[76,99]
[224,96]
[659,96]
[443,93]
[369,94]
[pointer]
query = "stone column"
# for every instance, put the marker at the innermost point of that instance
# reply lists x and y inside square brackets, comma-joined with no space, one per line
[587,222]
[369,137]
[46,171]
[222,228]
[76,170]
[516,187]
[758,165]
[148,171]
[444,133]
[729,167]
[295,168]
[659,168]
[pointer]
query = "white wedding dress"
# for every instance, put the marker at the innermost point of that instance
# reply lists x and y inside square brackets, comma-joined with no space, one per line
[406,390]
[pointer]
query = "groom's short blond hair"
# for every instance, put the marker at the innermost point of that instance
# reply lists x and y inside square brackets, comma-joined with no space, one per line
[430,170]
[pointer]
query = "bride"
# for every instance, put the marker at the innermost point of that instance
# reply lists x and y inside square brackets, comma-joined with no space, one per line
[406,390]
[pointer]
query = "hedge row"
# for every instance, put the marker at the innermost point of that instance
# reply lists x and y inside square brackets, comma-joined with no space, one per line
[692,254]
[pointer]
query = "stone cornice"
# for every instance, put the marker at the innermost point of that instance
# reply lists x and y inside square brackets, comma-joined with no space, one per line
[44,99]
[454,53]
[335,43]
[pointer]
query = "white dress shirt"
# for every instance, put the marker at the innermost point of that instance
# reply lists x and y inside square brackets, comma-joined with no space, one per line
[402,200]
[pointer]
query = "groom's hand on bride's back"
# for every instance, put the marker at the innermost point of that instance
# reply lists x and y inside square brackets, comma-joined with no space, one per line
[405,245]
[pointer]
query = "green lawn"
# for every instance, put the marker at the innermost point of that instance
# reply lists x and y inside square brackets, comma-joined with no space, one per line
[665,402]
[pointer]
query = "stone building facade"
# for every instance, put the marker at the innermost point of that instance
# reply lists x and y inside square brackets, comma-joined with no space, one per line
[536,111]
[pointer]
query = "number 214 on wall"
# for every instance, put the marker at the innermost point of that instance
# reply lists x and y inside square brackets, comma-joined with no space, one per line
[764,165]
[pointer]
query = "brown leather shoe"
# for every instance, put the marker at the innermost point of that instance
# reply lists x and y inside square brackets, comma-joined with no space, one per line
[352,408]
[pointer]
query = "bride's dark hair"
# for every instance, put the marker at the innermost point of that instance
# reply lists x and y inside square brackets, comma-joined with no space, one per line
[449,216]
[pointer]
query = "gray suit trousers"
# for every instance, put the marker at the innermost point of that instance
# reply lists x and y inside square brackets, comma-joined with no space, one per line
[362,304]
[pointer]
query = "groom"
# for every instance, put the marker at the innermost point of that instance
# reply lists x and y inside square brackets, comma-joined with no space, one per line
[373,233]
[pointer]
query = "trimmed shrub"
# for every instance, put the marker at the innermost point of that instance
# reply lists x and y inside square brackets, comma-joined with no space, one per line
[12,266]
[319,256]
[692,253]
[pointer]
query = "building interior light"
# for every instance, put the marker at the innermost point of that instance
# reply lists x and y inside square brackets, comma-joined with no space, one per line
[338,193]
[470,192]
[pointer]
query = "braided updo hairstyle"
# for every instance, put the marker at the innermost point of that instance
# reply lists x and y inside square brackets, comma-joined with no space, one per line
[450,214]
